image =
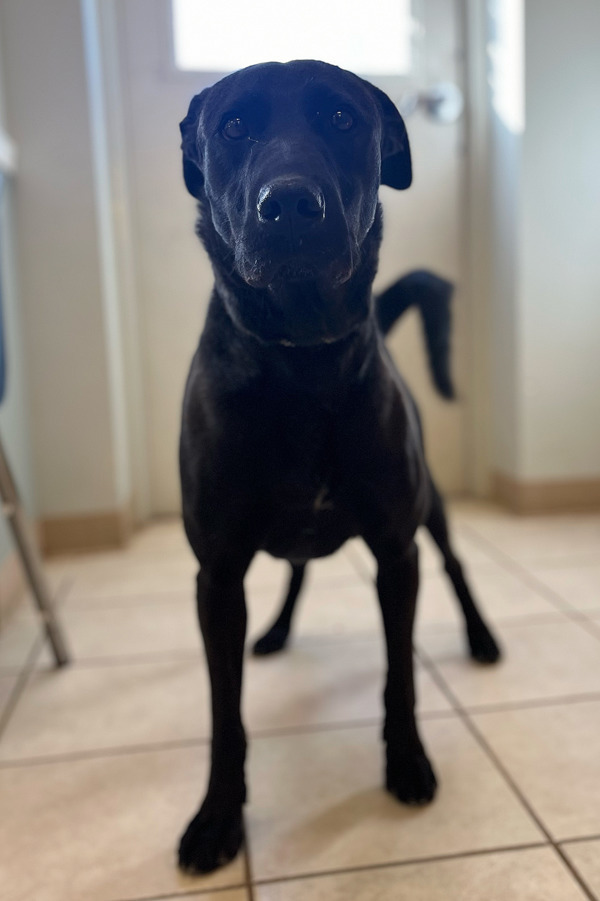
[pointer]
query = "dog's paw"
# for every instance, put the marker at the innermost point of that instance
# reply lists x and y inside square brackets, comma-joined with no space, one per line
[212,839]
[483,646]
[272,641]
[411,779]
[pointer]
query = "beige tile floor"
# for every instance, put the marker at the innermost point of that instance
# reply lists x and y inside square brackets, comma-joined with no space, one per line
[101,764]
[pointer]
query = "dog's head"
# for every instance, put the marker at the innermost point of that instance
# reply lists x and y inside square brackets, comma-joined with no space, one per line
[286,160]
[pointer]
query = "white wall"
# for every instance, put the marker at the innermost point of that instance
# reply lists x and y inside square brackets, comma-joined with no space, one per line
[76,450]
[14,424]
[506,237]
[545,269]
[560,286]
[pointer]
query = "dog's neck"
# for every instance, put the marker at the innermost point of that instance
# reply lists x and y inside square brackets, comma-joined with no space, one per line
[326,313]
[239,361]
[240,358]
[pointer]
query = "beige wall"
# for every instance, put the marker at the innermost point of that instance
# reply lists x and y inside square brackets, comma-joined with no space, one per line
[62,280]
[423,227]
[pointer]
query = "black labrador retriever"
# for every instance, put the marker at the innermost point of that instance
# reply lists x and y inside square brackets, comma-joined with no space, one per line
[298,432]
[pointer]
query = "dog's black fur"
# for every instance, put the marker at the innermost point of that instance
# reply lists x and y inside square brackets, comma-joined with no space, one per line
[298,433]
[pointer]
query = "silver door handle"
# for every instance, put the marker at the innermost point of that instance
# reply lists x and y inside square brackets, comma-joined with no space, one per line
[443,102]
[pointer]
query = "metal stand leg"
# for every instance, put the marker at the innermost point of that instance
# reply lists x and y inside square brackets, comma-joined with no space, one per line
[32,563]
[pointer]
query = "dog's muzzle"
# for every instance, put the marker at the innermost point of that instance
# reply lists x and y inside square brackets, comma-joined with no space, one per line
[296,231]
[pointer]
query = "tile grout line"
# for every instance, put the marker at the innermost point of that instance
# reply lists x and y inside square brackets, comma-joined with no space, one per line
[508,620]
[90,603]
[312,642]
[580,838]
[408,862]
[503,771]
[28,667]
[527,578]
[533,703]
[575,873]
[592,627]
[195,655]
[192,893]
[283,731]
[181,743]
[517,569]
[102,753]
[22,680]
[175,655]
[31,660]
[247,858]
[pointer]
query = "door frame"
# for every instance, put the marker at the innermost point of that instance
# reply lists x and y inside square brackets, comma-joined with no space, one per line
[477,247]
[116,244]
[120,264]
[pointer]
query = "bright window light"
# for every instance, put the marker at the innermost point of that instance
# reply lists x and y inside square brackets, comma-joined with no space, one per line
[228,35]
[507,55]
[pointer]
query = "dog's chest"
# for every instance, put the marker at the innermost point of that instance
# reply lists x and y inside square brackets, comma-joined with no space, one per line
[306,516]
[302,495]
[302,527]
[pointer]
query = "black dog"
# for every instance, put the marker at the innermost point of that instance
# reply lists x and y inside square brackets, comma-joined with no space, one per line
[298,432]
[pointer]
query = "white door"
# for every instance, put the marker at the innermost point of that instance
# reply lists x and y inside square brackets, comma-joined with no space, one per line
[423,228]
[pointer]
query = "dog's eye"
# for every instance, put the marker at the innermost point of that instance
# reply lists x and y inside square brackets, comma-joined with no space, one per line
[235,129]
[342,120]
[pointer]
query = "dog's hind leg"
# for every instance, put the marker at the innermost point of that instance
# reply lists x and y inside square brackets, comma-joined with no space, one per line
[482,645]
[275,638]
[215,834]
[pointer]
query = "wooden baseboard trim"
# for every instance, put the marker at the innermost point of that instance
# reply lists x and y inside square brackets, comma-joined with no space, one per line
[12,586]
[86,532]
[564,496]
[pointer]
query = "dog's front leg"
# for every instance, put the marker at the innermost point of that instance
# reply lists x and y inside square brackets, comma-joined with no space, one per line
[409,775]
[215,834]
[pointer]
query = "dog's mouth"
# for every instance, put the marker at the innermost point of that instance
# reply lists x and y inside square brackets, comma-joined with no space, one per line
[295,270]
[299,299]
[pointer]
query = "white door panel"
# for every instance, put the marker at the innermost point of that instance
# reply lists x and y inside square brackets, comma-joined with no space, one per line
[423,228]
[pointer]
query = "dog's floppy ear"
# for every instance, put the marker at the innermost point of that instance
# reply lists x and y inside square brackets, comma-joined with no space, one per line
[396,169]
[192,172]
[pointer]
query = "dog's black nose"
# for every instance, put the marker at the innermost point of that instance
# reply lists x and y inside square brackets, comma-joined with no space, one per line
[290,201]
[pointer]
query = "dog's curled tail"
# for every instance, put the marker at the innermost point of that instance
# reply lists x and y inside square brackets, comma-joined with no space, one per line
[432,295]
